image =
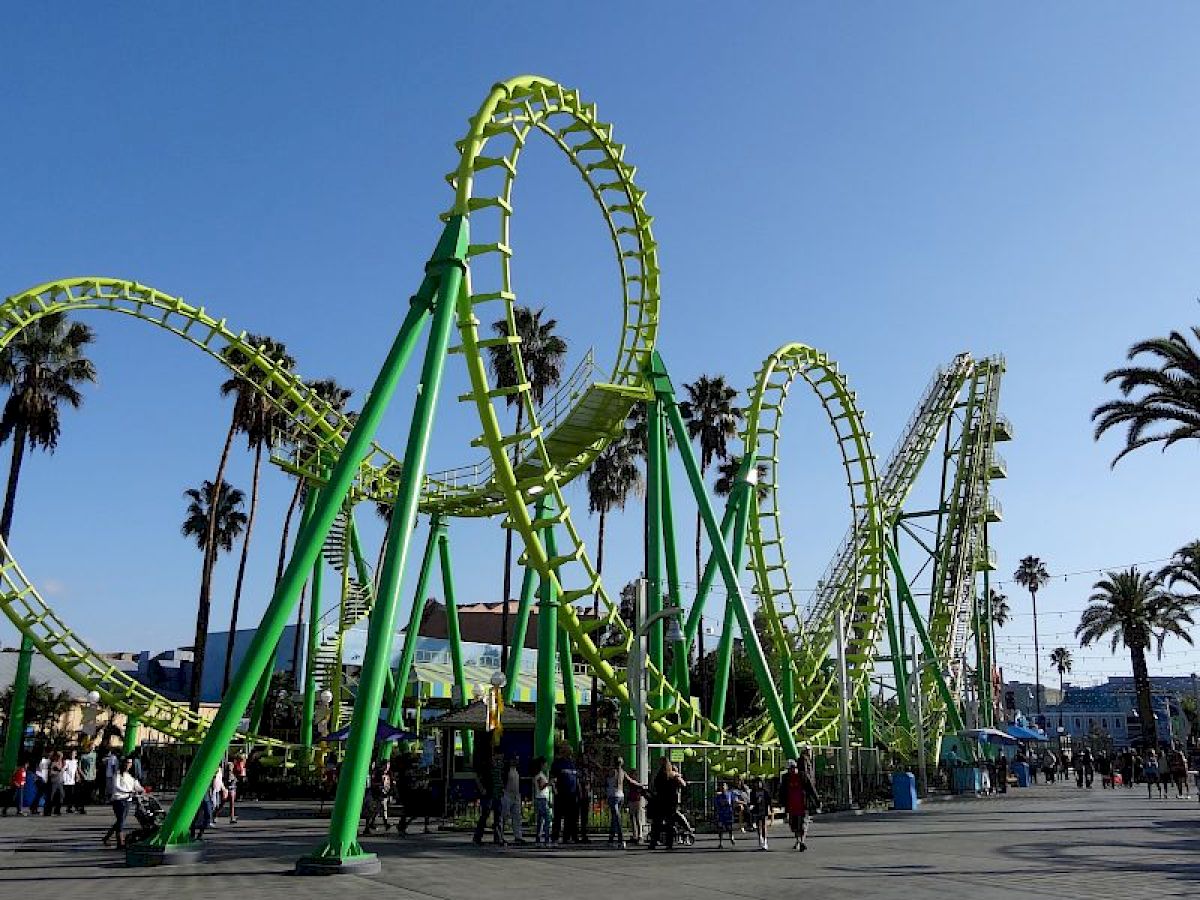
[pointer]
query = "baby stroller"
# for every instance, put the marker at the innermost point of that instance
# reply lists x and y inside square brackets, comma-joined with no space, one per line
[684,834]
[149,814]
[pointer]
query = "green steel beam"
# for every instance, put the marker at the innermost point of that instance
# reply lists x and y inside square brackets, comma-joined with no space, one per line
[543,736]
[740,509]
[679,652]
[453,632]
[412,632]
[308,714]
[665,392]
[935,663]
[566,665]
[654,476]
[14,738]
[341,849]
[696,614]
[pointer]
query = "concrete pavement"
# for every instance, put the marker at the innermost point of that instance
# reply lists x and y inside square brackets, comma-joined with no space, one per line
[1046,841]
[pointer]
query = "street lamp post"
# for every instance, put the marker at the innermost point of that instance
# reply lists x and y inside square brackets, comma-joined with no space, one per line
[636,670]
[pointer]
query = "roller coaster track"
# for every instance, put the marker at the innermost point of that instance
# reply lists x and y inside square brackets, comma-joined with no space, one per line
[558,441]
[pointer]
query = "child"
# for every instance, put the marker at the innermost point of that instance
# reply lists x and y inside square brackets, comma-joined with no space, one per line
[760,810]
[723,804]
[16,794]
[541,803]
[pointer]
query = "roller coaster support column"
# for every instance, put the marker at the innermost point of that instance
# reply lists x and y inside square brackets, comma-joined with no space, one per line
[987,636]
[679,650]
[661,383]
[342,852]
[543,734]
[443,277]
[931,657]
[896,644]
[258,705]
[845,791]
[738,511]
[453,632]
[313,645]
[566,665]
[411,634]
[695,617]
[16,710]
[133,727]
[654,474]
[516,642]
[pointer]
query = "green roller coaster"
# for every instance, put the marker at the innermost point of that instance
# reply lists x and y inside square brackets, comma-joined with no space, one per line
[809,693]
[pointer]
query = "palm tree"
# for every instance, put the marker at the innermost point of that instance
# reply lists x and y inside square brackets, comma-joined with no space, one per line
[1171,398]
[1130,608]
[542,353]
[261,420]
[328,391]
[1031,574]
[612,477]
[1060,658]
[44,365]
[727,473]
[712,418]
[207,504]
[1184,567]
[1001,611]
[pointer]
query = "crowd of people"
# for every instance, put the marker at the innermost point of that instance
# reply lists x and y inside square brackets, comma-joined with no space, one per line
[563,793]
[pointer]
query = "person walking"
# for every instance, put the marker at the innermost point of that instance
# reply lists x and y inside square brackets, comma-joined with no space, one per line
[230,778]
[379,787]
[41,786]
[760,810]
[614,789]
[586,770]
[70,778]
[635,802]
[510,800]
[489,779]
[668,787]
[1049,765]
[125,788]
[56,793]
[541,803]
[15,796]
[1177,767]
[112,764]
[85,781]
[1002,772]
[565,778]
[798,791]
[1151,772]
[723,811]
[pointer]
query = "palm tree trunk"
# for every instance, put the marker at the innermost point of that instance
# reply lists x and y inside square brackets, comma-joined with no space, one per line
[508,552]
[241,574]
[596,611]
[203,607]
[1141,684]
[20,435]
[1037,659]
[700,630]
[287,527]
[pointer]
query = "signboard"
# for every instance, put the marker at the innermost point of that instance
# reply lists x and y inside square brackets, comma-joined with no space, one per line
[677,756]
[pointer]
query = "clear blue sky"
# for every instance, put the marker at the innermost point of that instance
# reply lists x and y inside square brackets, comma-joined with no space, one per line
[891,184]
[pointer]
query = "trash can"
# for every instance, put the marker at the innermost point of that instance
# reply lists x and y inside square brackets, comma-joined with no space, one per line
[904,790]
[1021,771]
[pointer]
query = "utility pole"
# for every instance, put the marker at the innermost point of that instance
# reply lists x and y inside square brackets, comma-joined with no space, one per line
[844,703]
[920,717]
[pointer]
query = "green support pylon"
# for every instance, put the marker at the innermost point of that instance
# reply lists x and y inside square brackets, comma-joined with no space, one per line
[654,472]
[566,665]
[738,508]
[696,614]
[259,657]
[258,704]
[342,853]
[758,660]
[867,715]
[516,644]
[899,672]
[412,633]
[453,632]
[16,712]
[310,655]
[680,678]
[132,729]
[543,734]
[927,647]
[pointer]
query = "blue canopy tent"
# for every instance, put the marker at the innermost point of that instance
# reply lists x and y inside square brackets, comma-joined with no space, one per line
[989,736]
[383,732]
[1021,733]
